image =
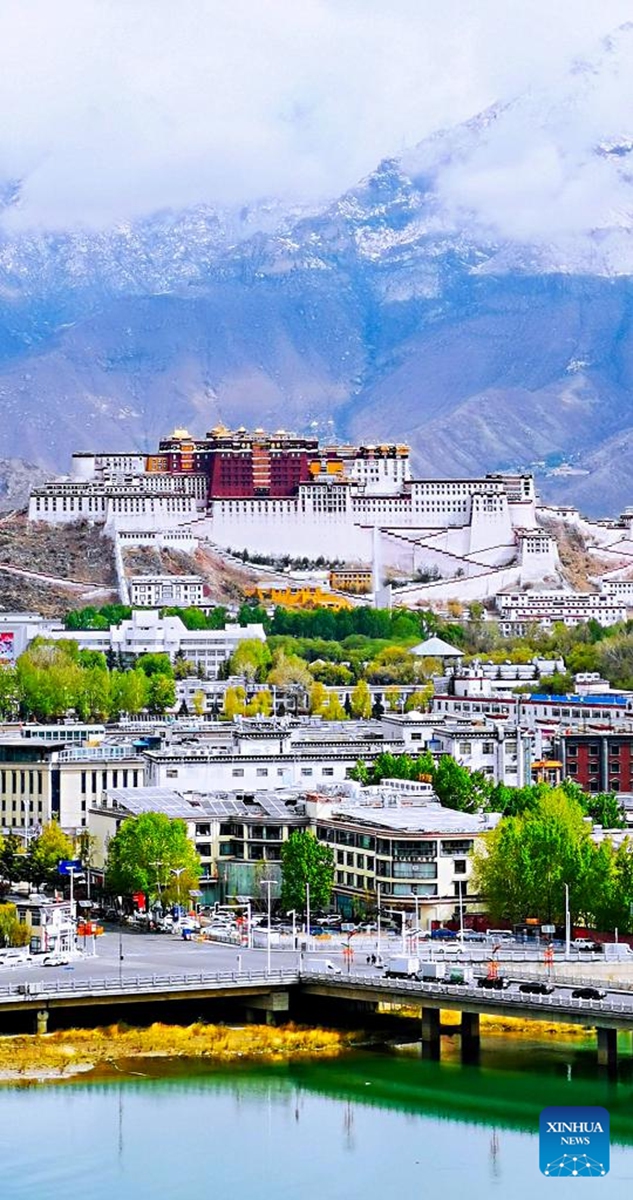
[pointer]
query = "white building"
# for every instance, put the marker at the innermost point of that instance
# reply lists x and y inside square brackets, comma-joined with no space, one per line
[146,632]
[158,591]
[518,610]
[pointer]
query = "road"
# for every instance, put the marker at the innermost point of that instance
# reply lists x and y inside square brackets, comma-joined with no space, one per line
[123,954]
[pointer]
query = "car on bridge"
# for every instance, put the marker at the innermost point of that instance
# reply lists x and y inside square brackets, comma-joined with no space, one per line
[494,982]
[443,935]
[535,987]
[588,993]
[586,944]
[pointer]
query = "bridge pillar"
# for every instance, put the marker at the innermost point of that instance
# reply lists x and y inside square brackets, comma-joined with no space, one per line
[430,1033]
[470,1037]
[41,1021]
[607,1048]
[267,1009]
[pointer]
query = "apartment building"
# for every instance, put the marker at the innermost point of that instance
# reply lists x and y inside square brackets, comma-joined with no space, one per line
[42,781]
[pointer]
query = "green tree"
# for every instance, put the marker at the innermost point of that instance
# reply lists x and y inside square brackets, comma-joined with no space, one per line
[457,787]
[12,931]
[155,664]
[46,851]
[419,701]
[9,693]
[250,659]
[133,691]
[144,854]
[12,859]
[289,670]
[161,694]
[605,809]
[361,700]
[304,860]
[198,701]
[525,862]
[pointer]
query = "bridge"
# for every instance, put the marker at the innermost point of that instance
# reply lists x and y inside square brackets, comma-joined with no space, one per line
[275,994]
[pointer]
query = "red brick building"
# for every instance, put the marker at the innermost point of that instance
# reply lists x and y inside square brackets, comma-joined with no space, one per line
[600,761]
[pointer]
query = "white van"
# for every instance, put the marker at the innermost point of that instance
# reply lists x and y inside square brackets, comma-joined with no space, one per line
[15,956]
[499,935]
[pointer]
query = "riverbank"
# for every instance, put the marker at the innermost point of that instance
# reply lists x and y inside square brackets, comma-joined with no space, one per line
[66,1053]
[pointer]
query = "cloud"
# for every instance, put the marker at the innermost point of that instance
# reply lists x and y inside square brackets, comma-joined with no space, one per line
[116,108]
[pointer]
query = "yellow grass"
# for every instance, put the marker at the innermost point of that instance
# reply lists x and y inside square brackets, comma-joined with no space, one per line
[71,1051]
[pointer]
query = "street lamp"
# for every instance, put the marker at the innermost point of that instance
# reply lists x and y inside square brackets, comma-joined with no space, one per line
[307,916]
[156,866]
[269,883]
[178,871]
[568,923]
[461,912]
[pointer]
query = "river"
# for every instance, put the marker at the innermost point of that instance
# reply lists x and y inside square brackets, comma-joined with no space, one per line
[364,1126]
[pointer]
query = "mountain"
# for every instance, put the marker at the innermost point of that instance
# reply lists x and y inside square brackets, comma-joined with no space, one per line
[473,297]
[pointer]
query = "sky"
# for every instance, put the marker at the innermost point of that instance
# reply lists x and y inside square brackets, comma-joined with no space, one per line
[113,109]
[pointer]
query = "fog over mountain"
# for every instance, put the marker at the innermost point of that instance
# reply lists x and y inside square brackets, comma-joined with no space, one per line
[471,295]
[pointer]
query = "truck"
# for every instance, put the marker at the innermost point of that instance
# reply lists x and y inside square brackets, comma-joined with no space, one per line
[457,975]
[402,966]
[431,970]
[616,951]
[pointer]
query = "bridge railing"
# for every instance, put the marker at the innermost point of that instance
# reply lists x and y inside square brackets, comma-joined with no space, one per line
[144,984]
[434,989]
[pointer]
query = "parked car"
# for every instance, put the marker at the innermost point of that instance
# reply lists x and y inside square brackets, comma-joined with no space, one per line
[56,960]
[536,988]
[581,943]
[443,935]
[588,993]
[473,935]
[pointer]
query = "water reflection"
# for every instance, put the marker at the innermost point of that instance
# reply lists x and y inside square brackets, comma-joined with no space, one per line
[367,1125]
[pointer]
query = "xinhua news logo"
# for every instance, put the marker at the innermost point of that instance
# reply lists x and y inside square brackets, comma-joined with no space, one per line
[574,1142]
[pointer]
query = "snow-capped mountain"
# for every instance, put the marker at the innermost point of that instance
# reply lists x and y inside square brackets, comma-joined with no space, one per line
[473,296]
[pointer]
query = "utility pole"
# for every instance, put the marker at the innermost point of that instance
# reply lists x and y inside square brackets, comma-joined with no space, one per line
[268,883]
[567,923]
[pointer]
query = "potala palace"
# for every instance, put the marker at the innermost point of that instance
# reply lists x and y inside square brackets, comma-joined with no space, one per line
[283,494]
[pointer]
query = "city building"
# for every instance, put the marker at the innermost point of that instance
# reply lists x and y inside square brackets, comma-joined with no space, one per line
[43,780]
[281,493]
[238,836]
[163,591]
[519,610]
[50,922]
[400,852]
[599,760]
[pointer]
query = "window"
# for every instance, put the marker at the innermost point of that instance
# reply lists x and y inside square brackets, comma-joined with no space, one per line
[306,770]
[463,748]
[328,771]
[360,861]
[172,772]
[451,847]
[261,771]
[238,772]
[460,866]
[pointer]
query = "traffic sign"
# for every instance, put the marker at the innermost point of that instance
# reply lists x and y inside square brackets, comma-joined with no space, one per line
[69,866]
[548,929]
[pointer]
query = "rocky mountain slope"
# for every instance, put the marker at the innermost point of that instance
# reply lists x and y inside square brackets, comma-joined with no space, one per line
[473,297]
